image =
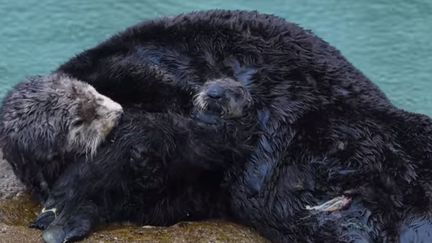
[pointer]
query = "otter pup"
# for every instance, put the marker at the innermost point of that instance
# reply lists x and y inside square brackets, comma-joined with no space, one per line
[45,120]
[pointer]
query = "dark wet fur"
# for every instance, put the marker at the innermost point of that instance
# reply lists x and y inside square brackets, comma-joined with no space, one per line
[156,170]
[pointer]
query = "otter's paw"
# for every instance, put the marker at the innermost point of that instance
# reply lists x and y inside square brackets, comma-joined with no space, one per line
[67,233]
[73,223]
[45,218]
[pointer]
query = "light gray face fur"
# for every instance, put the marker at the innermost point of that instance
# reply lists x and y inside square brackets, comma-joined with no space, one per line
[56,112]
[232,103]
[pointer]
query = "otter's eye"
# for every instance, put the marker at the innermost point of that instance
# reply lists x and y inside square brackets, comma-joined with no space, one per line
[77,123]
[237,96]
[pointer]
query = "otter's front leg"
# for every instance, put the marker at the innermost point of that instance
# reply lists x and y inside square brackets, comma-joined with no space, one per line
[73,223]
[45,218]
[275,138]
[54,205]
[70,203]
[68,215]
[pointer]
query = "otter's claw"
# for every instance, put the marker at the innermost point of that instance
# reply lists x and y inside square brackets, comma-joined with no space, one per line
[44,219]
[53,210]
[335,204]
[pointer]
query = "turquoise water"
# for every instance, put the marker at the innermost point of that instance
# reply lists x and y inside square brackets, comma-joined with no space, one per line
[389,40]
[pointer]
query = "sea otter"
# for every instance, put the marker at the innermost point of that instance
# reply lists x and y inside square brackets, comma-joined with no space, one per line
[46,119]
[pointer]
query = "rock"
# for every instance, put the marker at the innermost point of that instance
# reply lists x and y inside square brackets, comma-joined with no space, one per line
[17,210]
[10,186]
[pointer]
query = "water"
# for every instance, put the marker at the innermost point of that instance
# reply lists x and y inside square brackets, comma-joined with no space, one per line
[389,40]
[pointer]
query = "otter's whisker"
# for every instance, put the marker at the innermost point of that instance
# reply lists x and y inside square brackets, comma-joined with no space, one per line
[200,102]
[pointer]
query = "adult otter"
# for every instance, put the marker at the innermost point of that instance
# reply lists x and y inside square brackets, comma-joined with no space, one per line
[37,142]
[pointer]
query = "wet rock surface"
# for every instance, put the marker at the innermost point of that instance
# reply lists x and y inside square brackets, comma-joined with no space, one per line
[17,210]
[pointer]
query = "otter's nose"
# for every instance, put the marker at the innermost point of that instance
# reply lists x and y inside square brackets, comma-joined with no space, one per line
[215,91]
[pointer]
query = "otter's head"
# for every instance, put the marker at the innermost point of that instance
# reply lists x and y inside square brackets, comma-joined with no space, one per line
[53,114]
[223,98]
